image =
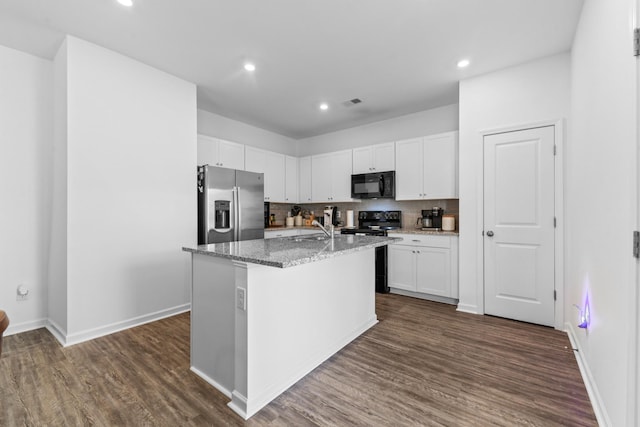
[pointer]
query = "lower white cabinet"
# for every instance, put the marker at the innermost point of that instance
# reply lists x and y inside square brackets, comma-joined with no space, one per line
[424,264]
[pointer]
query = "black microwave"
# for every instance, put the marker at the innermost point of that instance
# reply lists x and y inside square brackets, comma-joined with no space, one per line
[378,185]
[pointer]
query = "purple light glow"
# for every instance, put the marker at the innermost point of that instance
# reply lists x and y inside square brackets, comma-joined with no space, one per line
[585,314]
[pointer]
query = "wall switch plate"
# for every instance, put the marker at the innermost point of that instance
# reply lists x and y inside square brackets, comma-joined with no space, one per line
[241,299]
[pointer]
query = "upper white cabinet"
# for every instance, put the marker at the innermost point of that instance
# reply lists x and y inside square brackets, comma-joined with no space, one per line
[304,172]
[374,158]
[291,179]
[331,176]
[427,168]
[221,153]
[273,166]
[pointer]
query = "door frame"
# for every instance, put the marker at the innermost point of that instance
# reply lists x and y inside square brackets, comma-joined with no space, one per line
[560,136]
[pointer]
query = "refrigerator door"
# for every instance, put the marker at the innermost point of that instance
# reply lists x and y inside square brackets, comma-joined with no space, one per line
[216,209]
[250,200]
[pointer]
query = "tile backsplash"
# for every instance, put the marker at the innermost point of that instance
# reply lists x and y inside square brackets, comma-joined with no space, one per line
[411,210]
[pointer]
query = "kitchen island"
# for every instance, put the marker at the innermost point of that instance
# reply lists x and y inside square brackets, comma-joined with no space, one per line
[265,313]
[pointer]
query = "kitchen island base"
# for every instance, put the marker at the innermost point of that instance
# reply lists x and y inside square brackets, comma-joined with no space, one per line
[256,330]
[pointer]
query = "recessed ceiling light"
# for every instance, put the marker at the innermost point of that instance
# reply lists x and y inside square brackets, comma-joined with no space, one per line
[128,3]
[464,63]
[249,66]
[324,106]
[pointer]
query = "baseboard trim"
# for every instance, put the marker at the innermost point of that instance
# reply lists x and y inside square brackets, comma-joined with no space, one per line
[25,326]
[467,308]
[211,381]
[592,388]
[101,331]
[428,297]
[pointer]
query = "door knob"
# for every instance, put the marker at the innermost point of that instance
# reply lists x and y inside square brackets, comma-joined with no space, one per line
[490,233]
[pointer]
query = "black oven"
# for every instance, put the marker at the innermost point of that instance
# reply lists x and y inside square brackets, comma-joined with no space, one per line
[377,185]
[377,223]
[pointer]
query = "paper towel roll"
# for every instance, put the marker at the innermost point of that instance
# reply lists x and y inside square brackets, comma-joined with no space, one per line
[350,218]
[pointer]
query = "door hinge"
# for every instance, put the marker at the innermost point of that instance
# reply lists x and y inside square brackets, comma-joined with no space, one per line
[555,295]
[636,244]
[636,42]
[555,149]
[555,223]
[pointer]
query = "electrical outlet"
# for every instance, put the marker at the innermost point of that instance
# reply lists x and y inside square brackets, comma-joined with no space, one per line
[241,300]
[22,293]
[338,215]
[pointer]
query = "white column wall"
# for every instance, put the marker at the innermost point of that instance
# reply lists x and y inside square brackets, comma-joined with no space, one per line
[533,92]
[601,182]
[26,100]
[131,147]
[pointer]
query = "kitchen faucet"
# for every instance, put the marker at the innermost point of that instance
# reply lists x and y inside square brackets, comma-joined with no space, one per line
[328,233]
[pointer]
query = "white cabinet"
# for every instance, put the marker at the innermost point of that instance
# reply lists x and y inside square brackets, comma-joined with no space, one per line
[427,168]
[331,180]
[374,158]
[272,165]
[291,180]
[304,183]
[221,153]
[424,264]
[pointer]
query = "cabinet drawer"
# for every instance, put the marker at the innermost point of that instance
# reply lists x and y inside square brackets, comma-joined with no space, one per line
[423,240]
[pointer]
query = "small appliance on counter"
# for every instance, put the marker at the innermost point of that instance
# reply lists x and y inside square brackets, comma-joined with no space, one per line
[431,219]
[330,215]
[377,223]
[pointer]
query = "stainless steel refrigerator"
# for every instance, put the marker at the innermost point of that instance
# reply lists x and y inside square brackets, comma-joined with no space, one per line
[230,205]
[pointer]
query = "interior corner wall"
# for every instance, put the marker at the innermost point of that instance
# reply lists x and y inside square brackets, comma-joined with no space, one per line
[232,130]
[533,92]
[427,122]
[57,268]
[131,147]
[26,100]
[601,182]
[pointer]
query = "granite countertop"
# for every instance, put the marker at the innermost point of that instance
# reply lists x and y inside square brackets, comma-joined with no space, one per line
[412,230]
[290,251]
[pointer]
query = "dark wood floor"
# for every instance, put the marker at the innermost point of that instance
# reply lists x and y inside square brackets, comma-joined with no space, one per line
[423,364]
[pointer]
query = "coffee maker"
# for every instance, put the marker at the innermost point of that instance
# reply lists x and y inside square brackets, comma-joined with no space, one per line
[330,215]
[432,218]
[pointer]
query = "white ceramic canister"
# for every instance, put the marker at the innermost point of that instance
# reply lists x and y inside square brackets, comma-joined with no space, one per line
[350,218]
[448,223]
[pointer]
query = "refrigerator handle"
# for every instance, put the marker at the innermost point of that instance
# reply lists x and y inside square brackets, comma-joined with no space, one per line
[236,214]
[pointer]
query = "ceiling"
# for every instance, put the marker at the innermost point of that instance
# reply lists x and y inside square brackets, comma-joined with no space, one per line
[398,56]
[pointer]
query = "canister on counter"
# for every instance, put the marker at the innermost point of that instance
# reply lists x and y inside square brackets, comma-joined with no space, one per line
[448,222]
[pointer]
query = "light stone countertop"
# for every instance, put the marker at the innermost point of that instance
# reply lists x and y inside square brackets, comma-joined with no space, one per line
[290,251]
[412,230]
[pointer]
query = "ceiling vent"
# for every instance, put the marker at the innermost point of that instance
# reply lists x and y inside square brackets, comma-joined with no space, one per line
[352,102]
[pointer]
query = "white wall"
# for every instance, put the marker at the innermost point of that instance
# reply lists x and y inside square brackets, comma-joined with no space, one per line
[25,165]
[601,182]
[232,130]
[533,92]
[131,147]
[428,122]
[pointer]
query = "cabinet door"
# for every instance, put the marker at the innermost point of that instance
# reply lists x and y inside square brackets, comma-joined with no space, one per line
[383,157]
[291,180]
[433,271]
[341,176]
[440,166]
[230,155]
[207,151]
[321,180]
[274,177]
[304,171]
[254,159]
[402,267]
[362,160]
[409,162]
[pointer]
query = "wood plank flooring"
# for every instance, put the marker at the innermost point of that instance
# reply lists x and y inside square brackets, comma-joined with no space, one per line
[424,364]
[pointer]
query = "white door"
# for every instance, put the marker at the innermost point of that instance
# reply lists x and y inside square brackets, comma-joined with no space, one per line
[519,225]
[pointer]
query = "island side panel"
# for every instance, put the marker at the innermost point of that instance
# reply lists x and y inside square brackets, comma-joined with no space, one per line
[296,318]
[212,321]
